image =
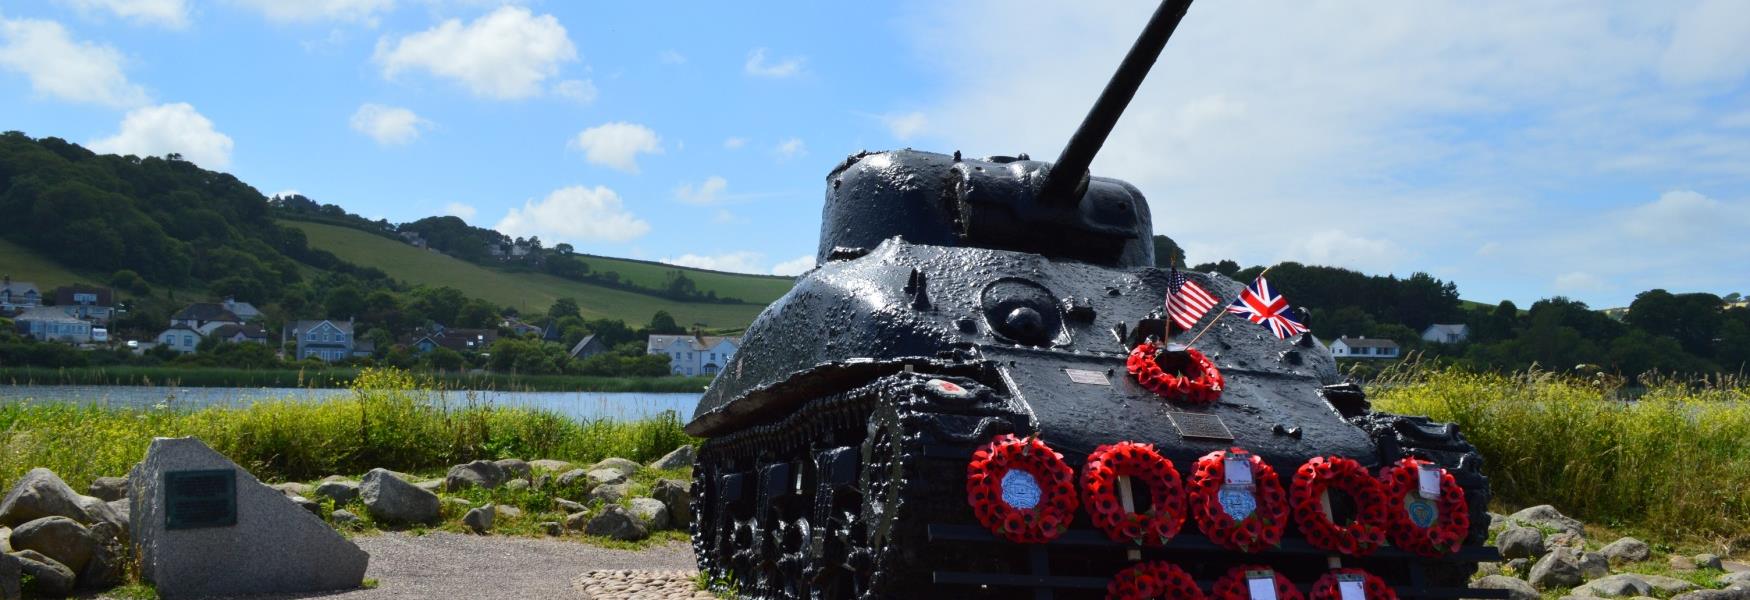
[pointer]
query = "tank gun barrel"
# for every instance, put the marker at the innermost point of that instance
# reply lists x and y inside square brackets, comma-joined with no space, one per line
[1068,177]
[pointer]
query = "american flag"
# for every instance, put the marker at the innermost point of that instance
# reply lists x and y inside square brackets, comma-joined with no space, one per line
[1259,304]
[1187,302]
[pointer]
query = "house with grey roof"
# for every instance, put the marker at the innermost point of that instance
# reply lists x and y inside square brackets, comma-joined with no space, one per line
[204,317]
[694,354]
[248,333]
[53,324]
[329,340]
[180,338]
[1364,347]
[16,296]
[1442,333]
[590,345]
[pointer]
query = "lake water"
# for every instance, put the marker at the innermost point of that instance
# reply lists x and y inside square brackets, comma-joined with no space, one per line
[578,405]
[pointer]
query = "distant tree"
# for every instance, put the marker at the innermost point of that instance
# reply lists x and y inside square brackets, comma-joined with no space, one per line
[564,249]
[1691,319]
[128,280]
[663,323]
[477,313]
[1165,246]
[563,307]
[445,359]
[1225,267]
[343,302]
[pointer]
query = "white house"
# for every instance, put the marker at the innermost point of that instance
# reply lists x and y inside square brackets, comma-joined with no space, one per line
[694,354]
[18,295]
[1361,347]
[180,338]
[1446,333]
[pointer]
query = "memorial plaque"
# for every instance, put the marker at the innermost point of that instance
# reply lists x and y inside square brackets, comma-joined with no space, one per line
[200,499]
[1200,426]
[1086,377]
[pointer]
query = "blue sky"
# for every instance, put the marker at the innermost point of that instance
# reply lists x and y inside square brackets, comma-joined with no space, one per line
[1524,151]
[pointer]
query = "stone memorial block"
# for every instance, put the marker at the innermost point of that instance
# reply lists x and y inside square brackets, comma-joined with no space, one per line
[205,527]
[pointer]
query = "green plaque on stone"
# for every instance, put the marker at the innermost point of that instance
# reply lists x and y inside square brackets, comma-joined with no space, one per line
[200,499]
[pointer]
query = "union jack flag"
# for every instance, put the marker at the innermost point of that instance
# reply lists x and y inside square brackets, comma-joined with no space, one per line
[1187,302]
[1259,304]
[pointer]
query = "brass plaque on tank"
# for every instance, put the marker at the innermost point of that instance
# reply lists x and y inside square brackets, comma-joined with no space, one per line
[1200,426]
[1084,376]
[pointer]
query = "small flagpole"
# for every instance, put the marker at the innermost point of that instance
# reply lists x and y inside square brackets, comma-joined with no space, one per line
[1217,318]
[1167,311]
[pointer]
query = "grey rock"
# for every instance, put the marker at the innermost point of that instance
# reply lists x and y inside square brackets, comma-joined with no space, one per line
[1485,569]
[1626,550]
[1593,565]
[677,495]
[49,579]
[1497,522]
[1564,539]
[552,528]
[313,506]
[59,538]
[11,574]
[610,494]
[540,482]
[616,522]
[510,512]
[515,468]
[1731,593]
[1517,589]
[1615,586]
[341,491]
[516,484]
[40,493]
[431,485]
[652,513]
[1547,516]
[1735,578]
[1520,566]
[606,477]
[5,540]
[121,509]
[345,518]
[575,478]
[459,503]
[109,489]
[275,546]
[106,569]
[390,500]
[1559,568]
[625,467]
[483,474]
[577,521]
[293,488]
[1708,561]
[1681,563]
[550,465]
[681,457]
[568,506]
[1667,586]
[1520,542]
[480,520]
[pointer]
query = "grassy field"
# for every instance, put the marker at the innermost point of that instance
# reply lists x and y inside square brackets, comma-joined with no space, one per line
[336,378]
[24,264]
[1672,465]
[758,289]
[533,291]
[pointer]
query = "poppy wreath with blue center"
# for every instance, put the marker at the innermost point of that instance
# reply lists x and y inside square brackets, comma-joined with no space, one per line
[1261,530]
[1450,526]
[1151,580]
[1232,586]
[1153,525]
[1326,588]
[1202,386]
[1042,522]
[1361,536]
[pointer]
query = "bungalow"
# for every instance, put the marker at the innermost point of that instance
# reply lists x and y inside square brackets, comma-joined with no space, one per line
[240,333]
[87,302]
[1362,347]
[455,338]
[590,345]
[694,354]
[53,323]
[15,296]
[205,317]
[243,310]
[180,338]
[324,339]
[1446,333]
[519,328]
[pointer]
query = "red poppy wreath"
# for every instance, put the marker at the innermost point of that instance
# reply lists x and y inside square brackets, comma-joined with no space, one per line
[1202,386]
[1373,588]
[1151,580]
[1448,526]
[1021,489]
[1261,528]
[1155,524]
[1233,585]
[1362,535]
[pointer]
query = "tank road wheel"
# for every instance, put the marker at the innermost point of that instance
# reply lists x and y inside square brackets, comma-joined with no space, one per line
[883,557]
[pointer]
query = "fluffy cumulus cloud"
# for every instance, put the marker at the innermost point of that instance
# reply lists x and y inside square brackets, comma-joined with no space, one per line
[388,125]
[166,129]
[794,266]
[163,13]
[458,209]
[575,214]
[708,192]
[366,12]
[63,68]
[759,65]
[617,145]
[507,54]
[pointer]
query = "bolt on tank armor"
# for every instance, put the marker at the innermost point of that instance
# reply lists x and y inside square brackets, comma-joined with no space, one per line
[943,409]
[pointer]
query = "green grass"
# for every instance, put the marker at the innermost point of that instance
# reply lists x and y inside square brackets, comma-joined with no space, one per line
[758,289]
[387,422]
[24,264]
[337,377]
[534,292]
[1673,466]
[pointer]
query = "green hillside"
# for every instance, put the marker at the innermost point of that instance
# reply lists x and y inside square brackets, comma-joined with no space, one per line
[760,289]
[534,292]
[24,265]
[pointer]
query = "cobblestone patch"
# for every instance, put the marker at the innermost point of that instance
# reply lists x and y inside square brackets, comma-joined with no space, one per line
[627,584]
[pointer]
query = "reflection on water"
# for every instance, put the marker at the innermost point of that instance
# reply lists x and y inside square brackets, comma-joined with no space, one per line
[578,405]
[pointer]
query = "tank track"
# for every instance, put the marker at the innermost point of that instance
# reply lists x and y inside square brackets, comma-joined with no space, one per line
[811,506]
[1401,436]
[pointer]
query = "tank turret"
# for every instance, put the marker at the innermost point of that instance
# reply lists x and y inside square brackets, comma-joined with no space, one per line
[936,410]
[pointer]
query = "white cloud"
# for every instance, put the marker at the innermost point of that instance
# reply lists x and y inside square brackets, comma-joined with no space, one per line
[734,143]
[507,54]
[165,129]
[575,214]
[366,12]
[709,192]
[1711,43]
[388,125]
[1340,248]
[581,91]
[794,266]
[671,57]
[1578,281]
[904,126]
[458,209]
[164,13]
[734,262]
[792,148]
[617,145]
[757,66]
[60,67]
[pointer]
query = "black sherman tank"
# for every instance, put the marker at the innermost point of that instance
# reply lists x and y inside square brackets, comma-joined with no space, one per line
[835,459]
